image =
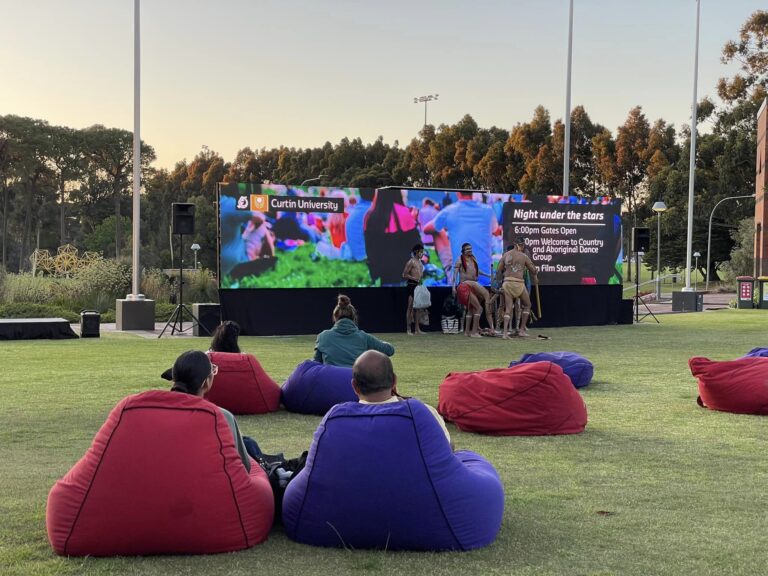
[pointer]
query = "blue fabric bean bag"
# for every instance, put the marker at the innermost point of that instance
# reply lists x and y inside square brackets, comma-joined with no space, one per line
[575,366]
[384,476]
[757,353]
[314,388]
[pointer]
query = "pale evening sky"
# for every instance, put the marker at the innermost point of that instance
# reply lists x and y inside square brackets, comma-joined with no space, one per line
[263,73]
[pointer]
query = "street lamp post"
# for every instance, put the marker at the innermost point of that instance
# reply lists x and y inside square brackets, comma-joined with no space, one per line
[696,255]
[658,207]
[315,179]
[425,99]
[709,232]
[195,247]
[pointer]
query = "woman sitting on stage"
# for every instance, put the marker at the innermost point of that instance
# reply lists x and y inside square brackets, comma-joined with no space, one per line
[342,344]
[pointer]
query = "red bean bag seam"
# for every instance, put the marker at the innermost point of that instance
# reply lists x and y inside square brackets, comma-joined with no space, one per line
[508,398]
[106,448]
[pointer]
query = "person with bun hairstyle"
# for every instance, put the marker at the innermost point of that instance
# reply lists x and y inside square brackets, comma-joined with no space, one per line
[193,373]
[223,339]
[342,344]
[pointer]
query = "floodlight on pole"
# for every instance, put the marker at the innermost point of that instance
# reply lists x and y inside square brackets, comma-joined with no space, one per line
[709,232]
[426,99]
[658,207]
[696,255]
[195,247]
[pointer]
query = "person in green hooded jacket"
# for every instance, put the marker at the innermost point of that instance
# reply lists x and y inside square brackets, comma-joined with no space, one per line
[342,344]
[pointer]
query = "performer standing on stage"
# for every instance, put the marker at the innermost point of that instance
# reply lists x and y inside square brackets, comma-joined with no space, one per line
[414,270]
[470,293]
[512,267]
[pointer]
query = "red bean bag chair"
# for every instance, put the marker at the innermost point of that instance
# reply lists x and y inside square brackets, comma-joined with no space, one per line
[162,476]
[242,386]
[739,386]
[529,399]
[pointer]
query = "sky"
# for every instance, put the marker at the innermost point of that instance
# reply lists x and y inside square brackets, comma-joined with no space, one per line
[227,74]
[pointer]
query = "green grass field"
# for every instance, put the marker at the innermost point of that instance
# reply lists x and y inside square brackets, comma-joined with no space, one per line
[656,485]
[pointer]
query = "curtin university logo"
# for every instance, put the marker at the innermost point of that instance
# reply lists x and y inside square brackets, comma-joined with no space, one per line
[259,202]
[270,203]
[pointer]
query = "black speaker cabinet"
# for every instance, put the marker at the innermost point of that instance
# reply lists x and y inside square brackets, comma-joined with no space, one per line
[209,316]
[641,239]
[183,218]
[90,323]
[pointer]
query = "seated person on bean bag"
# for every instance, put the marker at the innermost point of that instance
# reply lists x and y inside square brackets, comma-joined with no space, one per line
[314,388]
[739,386]
[242,385]
[223,339]
[166,474]
[381,474]
[524,400]
[342,344]
[575,366]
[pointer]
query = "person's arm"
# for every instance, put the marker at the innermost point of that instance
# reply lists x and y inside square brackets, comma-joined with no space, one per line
[534,273]
[318,357]
[436,224]
[239,444]
[456,276]
[374,343]
[500,270]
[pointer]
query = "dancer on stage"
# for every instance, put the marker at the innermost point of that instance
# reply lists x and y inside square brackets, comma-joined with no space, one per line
[414,270]
[470,293]
[512,268]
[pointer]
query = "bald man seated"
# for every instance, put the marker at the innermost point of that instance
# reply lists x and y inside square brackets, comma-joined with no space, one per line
[374,382]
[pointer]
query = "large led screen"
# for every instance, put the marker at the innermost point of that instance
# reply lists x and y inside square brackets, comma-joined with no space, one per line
[277,236]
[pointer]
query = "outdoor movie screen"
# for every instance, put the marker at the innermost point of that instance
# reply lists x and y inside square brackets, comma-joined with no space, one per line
[278,236]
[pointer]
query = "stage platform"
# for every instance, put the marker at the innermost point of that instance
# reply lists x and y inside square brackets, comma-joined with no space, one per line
[35,328]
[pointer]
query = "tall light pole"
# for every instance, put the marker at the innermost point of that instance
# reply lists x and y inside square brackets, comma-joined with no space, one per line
[709,232]
[658,207]
[567,119]
[315,179]
[426,100]
[692,161]
[136,276]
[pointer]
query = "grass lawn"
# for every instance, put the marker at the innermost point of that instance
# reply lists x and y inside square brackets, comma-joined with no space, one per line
[656,485]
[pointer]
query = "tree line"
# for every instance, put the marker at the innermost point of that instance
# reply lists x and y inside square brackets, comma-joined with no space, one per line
[61,185]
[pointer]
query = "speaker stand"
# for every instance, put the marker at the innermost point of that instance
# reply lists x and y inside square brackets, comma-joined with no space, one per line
[638,298]
[177,316]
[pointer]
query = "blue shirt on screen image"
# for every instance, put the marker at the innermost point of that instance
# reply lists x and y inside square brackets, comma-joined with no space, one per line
[354,229]
[473,222]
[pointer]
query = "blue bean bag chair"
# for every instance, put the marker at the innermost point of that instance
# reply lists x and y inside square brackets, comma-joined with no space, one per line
[575,366]
[383,476]
[314,388]
[757,353]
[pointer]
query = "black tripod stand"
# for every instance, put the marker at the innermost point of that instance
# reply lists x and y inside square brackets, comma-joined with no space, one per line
[177,316]
[638,298]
